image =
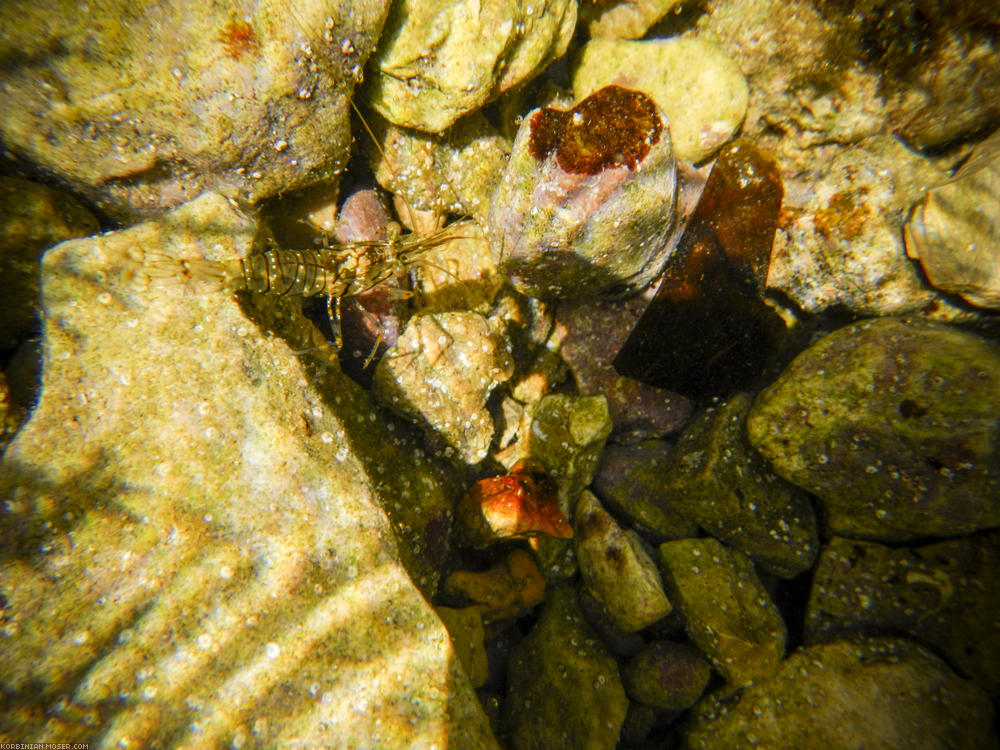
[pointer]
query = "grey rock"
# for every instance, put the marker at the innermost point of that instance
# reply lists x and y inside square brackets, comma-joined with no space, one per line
[944,595]
[892,423]
[194,548]
[145,107]
[564,687]
[878,693]
[727,612]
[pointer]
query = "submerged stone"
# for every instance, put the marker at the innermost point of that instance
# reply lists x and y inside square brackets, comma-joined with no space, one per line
[893,423]
[508,589]
[885,693]
[726,609]
[717,480]
[945,595]
[708,330]
[588,198]
[617,569]
[564,687]
[668,675]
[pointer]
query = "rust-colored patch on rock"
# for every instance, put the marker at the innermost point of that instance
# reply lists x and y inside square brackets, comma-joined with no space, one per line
[610,128]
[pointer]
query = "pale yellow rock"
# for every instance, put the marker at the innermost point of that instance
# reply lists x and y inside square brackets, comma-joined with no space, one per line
[696,82]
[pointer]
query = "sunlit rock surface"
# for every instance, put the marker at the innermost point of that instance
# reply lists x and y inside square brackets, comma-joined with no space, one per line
[893,424]
[439,59]
[144,106]
[194,549]
[882,692]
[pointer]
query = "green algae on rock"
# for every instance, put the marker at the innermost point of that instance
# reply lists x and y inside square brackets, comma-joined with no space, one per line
[885,693]
[893,423]
[588,198]
[439,59]
[617,569]
[694,81]
[195,552]
[945,595]
[565,690]
[718,481]
[727,611]
[668,675]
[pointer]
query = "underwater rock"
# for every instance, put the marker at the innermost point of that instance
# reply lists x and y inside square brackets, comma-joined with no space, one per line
[141,108]
[441,372]
[33,217]
[588,198]
[564,687]
[892,423]
[465,626]
[617,569]
[727,612]
[509,589]
[693,80]
[631,481]
[945,595]
[439,59]
[836,695]
[623,20]
[718,481]
[452,172]
[194,548]
[707,330]
[523,503]
[955,230]
[840,241]
[594,332]
[668,675]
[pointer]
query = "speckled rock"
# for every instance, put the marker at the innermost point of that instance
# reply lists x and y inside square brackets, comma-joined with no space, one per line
[564,687]
[717,480]
[727,612]
[840,241]
[33,217]
[454,172]
[624,20]
[945,595]
[693,80]
[955,230]
[668,675]
[144,107]
[465,626]
[876,693]
[631,481]
[194,548]
[893,424]
[441,372]
[438,59]
[617,569]
[594,333]
[588,198]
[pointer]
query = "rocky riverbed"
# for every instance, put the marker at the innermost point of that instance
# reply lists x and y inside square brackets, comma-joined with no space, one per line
[235,514]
